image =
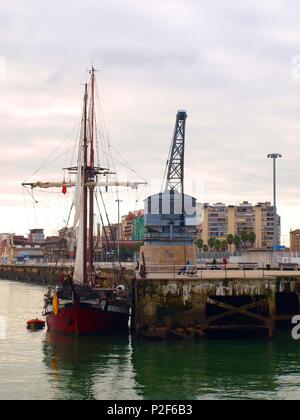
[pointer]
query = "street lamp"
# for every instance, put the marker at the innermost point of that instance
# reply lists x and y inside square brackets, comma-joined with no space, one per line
[274,157]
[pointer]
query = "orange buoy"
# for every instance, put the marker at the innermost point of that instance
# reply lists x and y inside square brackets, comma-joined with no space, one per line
[35,324]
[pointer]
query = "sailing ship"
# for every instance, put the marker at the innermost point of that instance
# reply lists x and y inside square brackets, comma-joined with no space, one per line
[79,305]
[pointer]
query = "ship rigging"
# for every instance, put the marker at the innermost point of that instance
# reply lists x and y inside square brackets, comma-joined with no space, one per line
[80,304]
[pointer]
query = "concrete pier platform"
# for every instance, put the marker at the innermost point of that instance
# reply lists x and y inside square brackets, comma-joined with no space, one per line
[168,305]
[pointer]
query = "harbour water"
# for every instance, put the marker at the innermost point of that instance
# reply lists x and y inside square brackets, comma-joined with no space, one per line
[45,366]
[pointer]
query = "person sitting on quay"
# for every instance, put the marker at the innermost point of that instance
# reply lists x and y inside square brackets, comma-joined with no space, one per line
[214,264]
[185,269]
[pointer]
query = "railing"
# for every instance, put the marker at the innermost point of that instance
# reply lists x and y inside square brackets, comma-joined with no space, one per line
[210,255]
[166,236]
[213,271]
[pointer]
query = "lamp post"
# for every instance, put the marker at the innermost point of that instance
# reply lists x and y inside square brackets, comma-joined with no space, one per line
[274,157]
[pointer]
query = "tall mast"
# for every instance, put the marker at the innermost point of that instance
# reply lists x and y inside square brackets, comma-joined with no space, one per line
[92,175]
[85,188]
[92,163]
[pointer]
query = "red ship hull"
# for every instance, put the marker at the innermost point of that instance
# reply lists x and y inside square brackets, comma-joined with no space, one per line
[82,320]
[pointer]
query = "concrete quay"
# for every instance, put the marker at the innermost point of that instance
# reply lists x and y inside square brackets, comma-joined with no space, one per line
[168,305]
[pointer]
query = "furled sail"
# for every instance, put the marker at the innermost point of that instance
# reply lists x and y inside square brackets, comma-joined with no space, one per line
[79,222]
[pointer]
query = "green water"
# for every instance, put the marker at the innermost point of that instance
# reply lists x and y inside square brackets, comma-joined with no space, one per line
[43,366]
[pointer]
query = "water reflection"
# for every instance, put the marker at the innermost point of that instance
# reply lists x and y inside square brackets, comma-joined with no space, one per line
[218,369]
[205,369]
[121,368]
[87,367]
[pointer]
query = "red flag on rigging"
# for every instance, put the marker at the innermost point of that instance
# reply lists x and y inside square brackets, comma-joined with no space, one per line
[64,189]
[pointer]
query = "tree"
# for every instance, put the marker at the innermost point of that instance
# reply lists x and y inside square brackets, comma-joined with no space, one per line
[230,241]
[218,244]
[252,238]
[245,237]
[224,245]
[237,241]
[200,244]
[211,243]
[205,248]
[128,252]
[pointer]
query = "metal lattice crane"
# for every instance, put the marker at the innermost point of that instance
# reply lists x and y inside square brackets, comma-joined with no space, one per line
[175,174]
[170,216]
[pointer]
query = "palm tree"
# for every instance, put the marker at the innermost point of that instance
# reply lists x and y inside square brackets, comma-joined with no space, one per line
[230,241]
[224,245]
[200,244]
[252,238]
[218,245]
[237,241]
[211,243]
[245,237]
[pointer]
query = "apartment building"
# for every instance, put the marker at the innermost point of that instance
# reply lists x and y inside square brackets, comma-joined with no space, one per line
[220,220]
[127,224]
[36,236]
[295,240]
[217,221]
[245,218]
[265,224]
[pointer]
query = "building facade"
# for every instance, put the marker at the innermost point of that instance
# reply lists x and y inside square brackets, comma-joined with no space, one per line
[244,218]
[127,224]
[138,229]
[265,225]
[111,233]
[295,240]
[220,220]
[17,248]
[34,248]
[36,236]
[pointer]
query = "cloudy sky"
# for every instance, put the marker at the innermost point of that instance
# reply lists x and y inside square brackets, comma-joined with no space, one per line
[232,65]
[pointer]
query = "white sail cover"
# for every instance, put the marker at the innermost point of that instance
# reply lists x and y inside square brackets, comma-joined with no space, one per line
[79,222]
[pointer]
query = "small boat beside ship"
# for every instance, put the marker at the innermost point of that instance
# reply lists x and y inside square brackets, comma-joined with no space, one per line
[35,324]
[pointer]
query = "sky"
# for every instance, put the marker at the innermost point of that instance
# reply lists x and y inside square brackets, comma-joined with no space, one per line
[234,66]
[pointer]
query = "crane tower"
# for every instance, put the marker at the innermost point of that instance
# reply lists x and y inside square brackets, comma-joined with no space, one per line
[170,216]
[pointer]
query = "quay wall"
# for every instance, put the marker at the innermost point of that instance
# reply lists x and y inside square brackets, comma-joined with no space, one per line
[46,275]
[192,308]
[42,275]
